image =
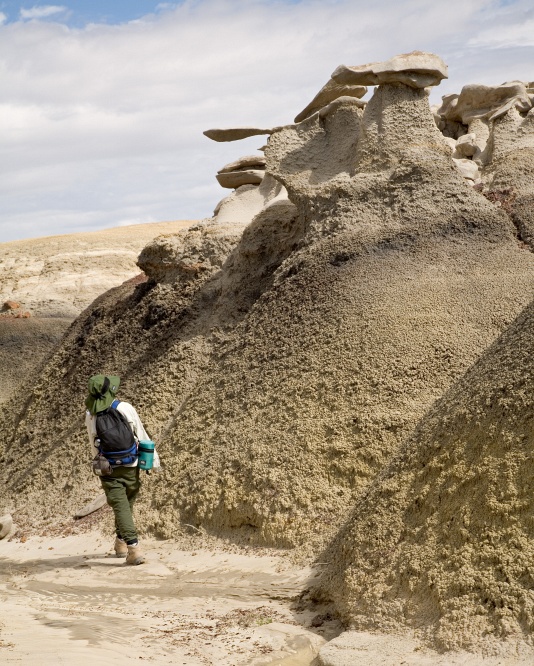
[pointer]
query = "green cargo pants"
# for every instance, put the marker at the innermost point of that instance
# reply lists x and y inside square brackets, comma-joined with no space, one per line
[121,489]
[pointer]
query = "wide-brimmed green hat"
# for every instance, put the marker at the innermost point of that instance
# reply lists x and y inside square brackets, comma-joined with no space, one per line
[102,390]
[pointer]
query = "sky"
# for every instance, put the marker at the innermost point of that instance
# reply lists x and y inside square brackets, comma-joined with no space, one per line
[103,103]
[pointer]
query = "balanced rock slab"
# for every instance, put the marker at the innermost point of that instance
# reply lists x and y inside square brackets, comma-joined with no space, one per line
[235,133]
[328,93]
[233,179]
[246,162]
[416,69]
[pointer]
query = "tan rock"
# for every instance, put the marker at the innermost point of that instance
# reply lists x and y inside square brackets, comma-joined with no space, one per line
[235,133]
[59,276]
[466,146]
[247,162]
[234,179]
[247,201]
[10,305]
[341,101]
[417,70]
[328,93]
[6,525]
[424,548]
[91,507]
[467,168]
[485,102]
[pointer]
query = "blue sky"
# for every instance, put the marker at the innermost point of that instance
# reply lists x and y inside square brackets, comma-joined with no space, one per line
[103,104]
[77,13]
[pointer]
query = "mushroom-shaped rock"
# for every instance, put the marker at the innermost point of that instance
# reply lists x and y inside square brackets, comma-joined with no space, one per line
[235,133]
[485,102]
[416,69]
[247,162]
[328,93]
[233,179]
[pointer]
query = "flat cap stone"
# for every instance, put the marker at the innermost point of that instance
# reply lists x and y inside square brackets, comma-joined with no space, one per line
[234,179]
[417,70]
[328,93]
[235,133]
[254,161]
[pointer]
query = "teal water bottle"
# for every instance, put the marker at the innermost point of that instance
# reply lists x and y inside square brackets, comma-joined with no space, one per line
[146,454]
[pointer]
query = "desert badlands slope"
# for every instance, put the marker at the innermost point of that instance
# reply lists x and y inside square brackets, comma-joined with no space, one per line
[282,352]
[51,280]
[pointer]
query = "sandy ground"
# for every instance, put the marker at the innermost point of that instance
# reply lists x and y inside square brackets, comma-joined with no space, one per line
[197,601]
[65,600]
[358,648]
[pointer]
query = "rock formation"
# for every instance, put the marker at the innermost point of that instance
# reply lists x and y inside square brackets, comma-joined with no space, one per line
[248,170]
[442,543]
[416,70]
[6,526]
[280,366]
[235,133]
[329,93]
[491,128]
[52,280]
[59,276]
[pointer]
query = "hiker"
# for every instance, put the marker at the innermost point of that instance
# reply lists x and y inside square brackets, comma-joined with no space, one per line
[119,473]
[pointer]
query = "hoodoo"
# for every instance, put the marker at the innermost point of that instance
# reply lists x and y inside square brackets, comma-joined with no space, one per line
[280,361]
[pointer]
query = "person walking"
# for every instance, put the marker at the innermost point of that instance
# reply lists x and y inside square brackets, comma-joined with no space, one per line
[120,482]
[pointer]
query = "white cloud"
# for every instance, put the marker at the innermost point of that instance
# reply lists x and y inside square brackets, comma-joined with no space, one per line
[3,18]
[105,123]
[41,11]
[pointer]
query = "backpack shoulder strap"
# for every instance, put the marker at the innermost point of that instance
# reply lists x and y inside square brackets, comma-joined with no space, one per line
[115,403]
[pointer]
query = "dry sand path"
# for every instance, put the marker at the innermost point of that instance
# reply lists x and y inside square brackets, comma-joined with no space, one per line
[64,600]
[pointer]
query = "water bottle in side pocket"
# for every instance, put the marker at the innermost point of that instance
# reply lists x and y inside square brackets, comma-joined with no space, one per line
[146,454]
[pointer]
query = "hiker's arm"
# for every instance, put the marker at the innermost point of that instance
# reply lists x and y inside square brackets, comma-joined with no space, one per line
[136,425]
[133,419]
[91,432]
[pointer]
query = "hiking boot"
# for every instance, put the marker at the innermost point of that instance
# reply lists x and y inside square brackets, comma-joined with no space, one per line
[135,556]
[121,549]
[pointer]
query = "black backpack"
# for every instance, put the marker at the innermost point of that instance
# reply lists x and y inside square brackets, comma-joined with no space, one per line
[114,437]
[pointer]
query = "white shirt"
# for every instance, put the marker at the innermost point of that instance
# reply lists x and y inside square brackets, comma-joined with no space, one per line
[128,411]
